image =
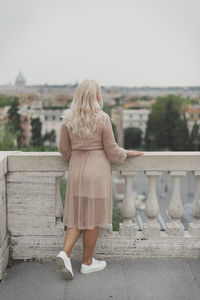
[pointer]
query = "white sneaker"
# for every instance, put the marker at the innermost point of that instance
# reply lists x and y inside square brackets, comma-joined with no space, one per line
[64,264]
[96,265]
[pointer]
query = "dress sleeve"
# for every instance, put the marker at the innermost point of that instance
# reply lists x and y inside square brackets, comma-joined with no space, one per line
[114,152]
[64,146]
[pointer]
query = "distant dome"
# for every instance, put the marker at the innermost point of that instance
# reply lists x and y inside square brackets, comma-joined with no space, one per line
[20,80]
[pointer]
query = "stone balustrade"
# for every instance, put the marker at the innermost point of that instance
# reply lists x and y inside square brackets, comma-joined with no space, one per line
[31,208]
[4,248]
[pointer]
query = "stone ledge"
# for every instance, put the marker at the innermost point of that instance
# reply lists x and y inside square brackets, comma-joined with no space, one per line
[109,246]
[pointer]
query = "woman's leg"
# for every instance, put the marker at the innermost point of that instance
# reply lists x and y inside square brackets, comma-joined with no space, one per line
[89,242]
[71,236]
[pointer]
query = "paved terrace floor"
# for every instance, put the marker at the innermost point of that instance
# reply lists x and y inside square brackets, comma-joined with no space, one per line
[128,278]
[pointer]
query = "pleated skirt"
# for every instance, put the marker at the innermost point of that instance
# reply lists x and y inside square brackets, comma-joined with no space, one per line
[88,198]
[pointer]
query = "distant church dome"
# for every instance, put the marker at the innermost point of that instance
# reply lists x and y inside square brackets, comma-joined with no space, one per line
[20,81]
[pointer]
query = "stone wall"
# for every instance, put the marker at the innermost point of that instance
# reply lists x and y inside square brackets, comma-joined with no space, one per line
[4,248]
[31,209]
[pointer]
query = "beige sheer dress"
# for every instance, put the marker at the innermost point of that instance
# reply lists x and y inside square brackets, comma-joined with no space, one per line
[88,200]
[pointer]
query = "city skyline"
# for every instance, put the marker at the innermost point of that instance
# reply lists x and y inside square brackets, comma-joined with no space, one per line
[118,43]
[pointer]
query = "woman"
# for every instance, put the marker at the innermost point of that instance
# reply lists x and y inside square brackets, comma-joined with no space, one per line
[87,142]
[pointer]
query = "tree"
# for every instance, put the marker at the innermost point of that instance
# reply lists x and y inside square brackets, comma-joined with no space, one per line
[6,138]
[14,122]
[117,100]
[107,108]
[132,137]
[36,137]
[194,139]
[181,135]
[5,101]
[114,131]
[50,136]
[167,125]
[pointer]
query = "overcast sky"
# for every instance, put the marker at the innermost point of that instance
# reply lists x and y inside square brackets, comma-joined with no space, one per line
[116,42]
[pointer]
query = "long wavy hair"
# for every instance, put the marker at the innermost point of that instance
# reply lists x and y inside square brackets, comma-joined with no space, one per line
[83,114]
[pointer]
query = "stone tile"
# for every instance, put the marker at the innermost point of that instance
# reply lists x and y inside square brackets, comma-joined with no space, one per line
[194,265]
[160,279]
[101,285]
[123,279]
[32,280]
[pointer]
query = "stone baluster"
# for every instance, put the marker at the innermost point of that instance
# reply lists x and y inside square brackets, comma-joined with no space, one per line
[152,228]
[127,209]
[175,209]
[194,227]
[59,205]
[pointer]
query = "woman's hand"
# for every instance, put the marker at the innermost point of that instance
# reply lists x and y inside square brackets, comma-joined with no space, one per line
[133,153]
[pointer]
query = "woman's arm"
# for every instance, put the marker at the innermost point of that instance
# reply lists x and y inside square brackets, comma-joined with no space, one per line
[114,152]
[133,153]
[64,146]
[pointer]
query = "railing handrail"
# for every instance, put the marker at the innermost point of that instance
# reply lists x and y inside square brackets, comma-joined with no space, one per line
[151,160]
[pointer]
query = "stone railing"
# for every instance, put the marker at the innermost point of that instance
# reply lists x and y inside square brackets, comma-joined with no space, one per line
[4,248]
[31,208]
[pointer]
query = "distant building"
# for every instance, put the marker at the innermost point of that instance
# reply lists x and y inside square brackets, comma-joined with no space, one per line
[192,116]
[136,118]
[132,118]
[139,104]
[20,81]
[50,119]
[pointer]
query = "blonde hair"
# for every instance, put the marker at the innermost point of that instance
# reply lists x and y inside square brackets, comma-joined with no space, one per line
[82,116]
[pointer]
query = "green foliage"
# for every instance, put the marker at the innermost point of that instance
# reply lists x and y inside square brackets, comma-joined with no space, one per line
[194,141]
[7,138]
[13,116]
[36,137]
[66,106]
[145,98]
[195,101]
[132,137]
[14,123]
[10,257]
[116,218]
[115,131]
[63,185]
[5,101]
[107,108]
[117,100]
[133,99]
[52,107]
[50,136]
[167,125]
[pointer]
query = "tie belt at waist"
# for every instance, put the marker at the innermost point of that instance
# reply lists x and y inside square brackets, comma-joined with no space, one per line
[88,149]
